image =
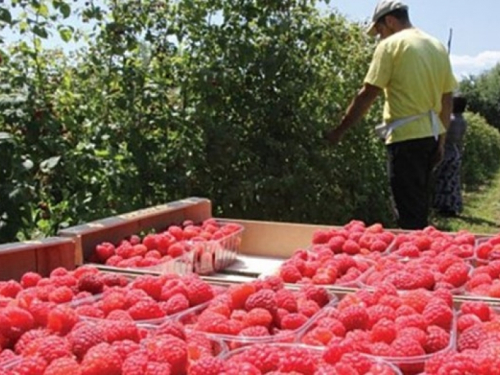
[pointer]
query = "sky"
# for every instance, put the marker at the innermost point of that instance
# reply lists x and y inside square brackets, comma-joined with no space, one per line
[475,43]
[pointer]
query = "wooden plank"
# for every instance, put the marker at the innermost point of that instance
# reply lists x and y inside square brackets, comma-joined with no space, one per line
[36,256]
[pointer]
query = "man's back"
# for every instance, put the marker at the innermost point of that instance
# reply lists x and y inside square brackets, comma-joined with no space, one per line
[414,70]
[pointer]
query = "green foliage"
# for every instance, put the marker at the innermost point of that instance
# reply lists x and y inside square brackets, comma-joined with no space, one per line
[223,99]
[482,93]
[481,150]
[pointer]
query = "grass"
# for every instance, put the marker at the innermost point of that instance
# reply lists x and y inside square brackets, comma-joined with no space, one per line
[481,211]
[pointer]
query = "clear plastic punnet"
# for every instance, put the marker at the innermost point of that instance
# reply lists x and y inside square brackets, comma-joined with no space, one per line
[311,359]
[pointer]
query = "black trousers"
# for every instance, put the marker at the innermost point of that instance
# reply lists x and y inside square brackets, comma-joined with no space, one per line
[410,167]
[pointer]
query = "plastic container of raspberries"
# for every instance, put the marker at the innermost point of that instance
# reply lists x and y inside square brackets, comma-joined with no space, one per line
[331,327]
[304,359]
[431,242]
[487,249]
[261,335]
[181,249]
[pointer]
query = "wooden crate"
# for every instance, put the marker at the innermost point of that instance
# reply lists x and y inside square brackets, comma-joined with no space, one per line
[38,256]
[116,228]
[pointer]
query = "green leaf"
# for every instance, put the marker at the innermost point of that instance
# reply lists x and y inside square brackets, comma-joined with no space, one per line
[65,33]
[49,164]
[65,10]
[5,15]
[40,31]
[43,10]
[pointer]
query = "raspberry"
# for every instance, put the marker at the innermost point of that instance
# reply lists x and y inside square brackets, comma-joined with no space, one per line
[177,303]
[471,338]
[63,366]
[258,317]
[384,330]
[239,294]
[318,336]
[354,317]
[351,247]
[413,333]
[29,336]
[14,321]
[478,308]
[457,274]
[264,298]
[290,274]
[150,284]
[336,349]
[285,299]
[176,355]
[316,294]
[335,326]
[101,359]
[438,314]
[255,331]
[173,328]
[207,366]
[412,320]
[417,299]
[321,236]
[437,339]
[35,365]
[378,312]
[357,361]
[30,279]
[335,244]
[199,292]
[91,283]
[293,321]
[308,308]
[50,348]
[62,294]
[10,288]
[297,360]
[146,309]
[407,347]
[467,320]
[104,251]
[83,337]
[120,330]
[61,319]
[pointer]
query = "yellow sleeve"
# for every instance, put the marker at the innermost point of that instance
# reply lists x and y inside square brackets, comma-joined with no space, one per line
[380,71]
[450,82]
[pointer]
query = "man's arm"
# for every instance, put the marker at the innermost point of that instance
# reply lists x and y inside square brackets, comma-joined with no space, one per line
[355,112]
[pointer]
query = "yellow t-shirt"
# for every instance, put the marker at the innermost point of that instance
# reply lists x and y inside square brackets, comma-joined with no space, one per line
[414,70]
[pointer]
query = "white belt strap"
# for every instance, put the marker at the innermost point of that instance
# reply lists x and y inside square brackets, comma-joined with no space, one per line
[385,130]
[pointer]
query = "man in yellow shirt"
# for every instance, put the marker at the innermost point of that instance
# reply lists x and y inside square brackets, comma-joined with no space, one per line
[413,71]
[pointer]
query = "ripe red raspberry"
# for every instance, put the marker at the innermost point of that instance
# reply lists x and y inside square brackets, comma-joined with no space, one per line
[457,274]
[199,292]
[417,299]
[334,325]
[61,294]
[10,288]
[176,355]
[155,368]
[83,337]
[384,330]
[293,321]
[379,312]
[437,313]
[104,251]
[14,321]
[239,294]
[172,327]
[285,299]
[258,317]
[297,360]
[358,362]
[336,349]
[437,339]
[61,319]
[412,320]
[308,308]
[91,283]
[407,347]
[49,348]
[207,366]
[177,303]
[321,236]
[152,285]
[354,317]
[63,366]
[264,298]
[30,279]
[254,331]
[290,274]
[481,309]
[146,309]
[317,294]
[125,348]
[413,333]
[467,320]
[471,338]
[351,247]
[101,359]
[318,336]
[335,244]
[29,336]
[35,365]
